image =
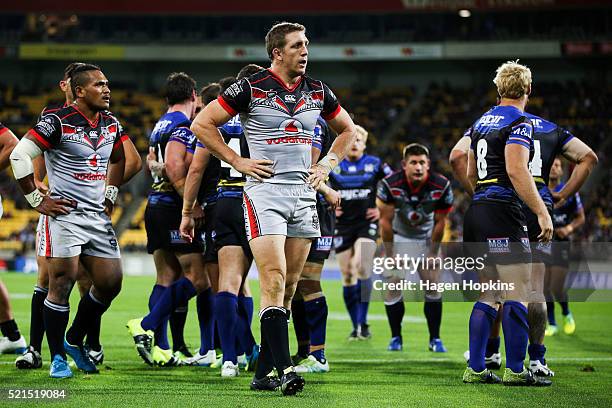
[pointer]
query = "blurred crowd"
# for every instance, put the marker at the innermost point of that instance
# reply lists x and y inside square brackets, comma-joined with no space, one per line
[553,24]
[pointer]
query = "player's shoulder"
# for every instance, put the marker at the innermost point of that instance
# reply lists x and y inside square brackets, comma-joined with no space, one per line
[395,179]
[52,107]
[315,83]
[177,119]
[438,180]
[61,113]
[370,159]
[499,117]
[540,124]
[108,114]
[259,76]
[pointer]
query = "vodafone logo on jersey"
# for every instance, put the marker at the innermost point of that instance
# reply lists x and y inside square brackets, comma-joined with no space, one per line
[415,217]
[93,161]
[291,127]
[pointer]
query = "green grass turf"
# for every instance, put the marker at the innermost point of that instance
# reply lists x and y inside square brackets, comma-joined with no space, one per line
[362,373]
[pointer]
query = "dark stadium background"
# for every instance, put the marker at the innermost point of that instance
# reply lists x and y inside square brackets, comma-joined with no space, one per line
[411,70]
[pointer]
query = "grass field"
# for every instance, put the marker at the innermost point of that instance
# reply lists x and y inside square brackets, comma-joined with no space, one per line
[362,373]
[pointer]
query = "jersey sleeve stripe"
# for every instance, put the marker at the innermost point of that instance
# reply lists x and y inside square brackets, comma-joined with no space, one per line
[567,140]
[3,131]
[125,137]
[521,137]
[41,139]
[332,115]
[226,106]
[518,142]
[179,140]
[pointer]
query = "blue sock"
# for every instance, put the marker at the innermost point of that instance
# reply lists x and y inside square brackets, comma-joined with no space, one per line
[351,300]
[550,311]
[536,352]
[365,291]
[237,343]
[206,312]
[516,334]
[246,303]
[492,346]
[481,320]
[178,293]
[243,332]
[316,316]
[226,308]
[161,331]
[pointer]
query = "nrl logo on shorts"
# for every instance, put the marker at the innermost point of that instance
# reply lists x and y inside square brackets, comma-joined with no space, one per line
[315,221]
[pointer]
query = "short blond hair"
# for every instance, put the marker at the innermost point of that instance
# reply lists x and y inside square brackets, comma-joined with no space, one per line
[361,131]
[513,80]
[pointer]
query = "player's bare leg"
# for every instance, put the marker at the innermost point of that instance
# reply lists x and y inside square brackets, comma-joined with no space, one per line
[274,255]
[296,250]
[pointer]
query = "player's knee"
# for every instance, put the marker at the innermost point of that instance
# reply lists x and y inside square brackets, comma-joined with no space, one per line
[433,295]
[110,287]
[363,274]
[60,290]
[349,279]
[392,297]
[272,281]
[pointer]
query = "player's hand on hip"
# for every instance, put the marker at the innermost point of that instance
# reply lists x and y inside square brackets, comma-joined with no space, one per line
[318,174]
[258,169]
[55,206]
[333,198]
[546,227]
[187,228]
[109,207]
[373,214]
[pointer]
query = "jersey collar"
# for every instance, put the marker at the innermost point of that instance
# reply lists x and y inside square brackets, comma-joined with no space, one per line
[92,124]
[414,190]
[280,81]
